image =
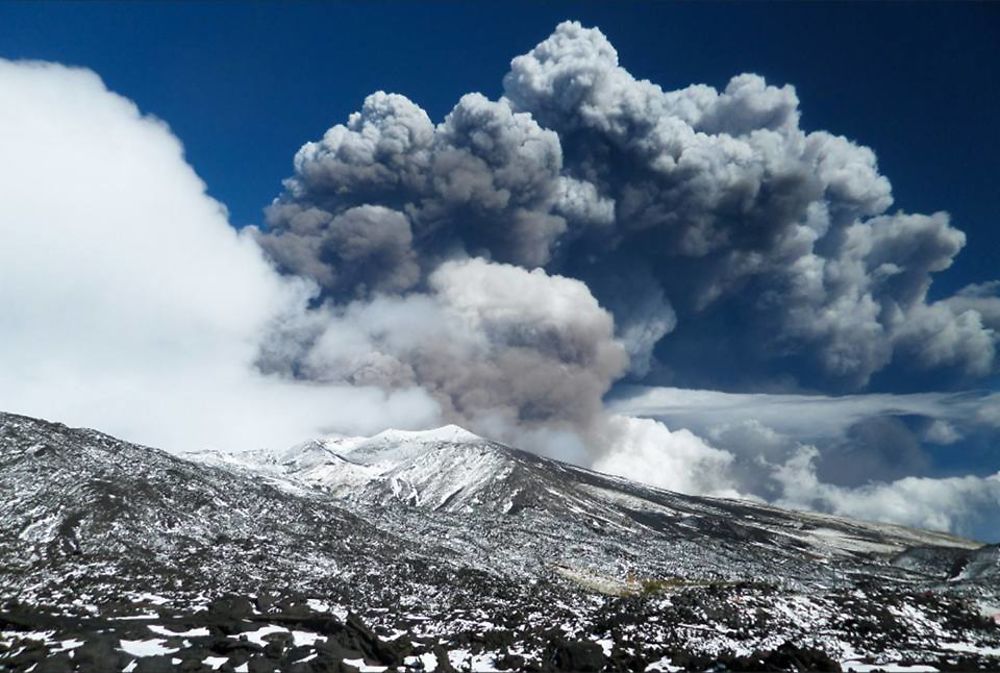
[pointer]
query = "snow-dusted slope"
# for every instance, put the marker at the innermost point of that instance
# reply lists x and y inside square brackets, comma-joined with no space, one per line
[430,468]
[501,502]
[443,468]
[447,468]
[467,550]
[116,510]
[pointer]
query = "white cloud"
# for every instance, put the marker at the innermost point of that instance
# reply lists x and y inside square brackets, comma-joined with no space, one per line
[989,412]
[645,450]
[947,504]
[129,303]
[779,446]
[942,432]
[804,417]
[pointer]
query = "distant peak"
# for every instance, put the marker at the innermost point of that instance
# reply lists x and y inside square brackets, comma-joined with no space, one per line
[446,433]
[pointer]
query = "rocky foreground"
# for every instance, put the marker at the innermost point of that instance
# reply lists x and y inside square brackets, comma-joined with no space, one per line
[444,551]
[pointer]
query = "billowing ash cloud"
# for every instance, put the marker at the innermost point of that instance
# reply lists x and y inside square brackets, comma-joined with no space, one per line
[682,211]
[483,182]
[501,348]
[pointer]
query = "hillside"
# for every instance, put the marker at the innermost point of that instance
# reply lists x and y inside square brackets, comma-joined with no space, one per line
[426,550]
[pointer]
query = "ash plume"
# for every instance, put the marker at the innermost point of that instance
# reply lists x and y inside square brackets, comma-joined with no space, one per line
[445,252]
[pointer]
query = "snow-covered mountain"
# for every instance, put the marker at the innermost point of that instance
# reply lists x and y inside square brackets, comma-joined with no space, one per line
[457,551]
[430,469]
[500,501]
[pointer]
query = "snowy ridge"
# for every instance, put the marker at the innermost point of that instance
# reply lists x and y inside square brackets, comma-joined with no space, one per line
[451,434]
[452,469]
[430,468]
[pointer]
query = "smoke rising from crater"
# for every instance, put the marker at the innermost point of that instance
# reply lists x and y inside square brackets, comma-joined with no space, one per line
[501,348]
[675,208]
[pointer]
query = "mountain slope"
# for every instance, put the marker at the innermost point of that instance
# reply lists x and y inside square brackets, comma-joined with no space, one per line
[116,512]
[501,501]
[456,551]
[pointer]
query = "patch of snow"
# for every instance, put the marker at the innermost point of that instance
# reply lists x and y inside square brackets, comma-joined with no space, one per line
[146,648]
[842,541]
[44,636]
[305,637]
[151,598]
[363,667]
[483,662]
[427,661]
[663,665]
[65,645]
[257,636]
[191,633]
[458,658]
[971,649]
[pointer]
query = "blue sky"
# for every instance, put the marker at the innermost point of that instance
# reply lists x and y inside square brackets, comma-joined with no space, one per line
[899,391]
[245,84]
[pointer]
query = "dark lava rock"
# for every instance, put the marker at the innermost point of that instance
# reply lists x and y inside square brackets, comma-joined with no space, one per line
[443,663]
[99,654]
[262,664]
[157,664]
[579,655]
[498,638]
[227,646]
[193,663]
[231,607]
[510,662]
[324,664]
[622,660]
[788,657]
[56,663]
[358,636]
